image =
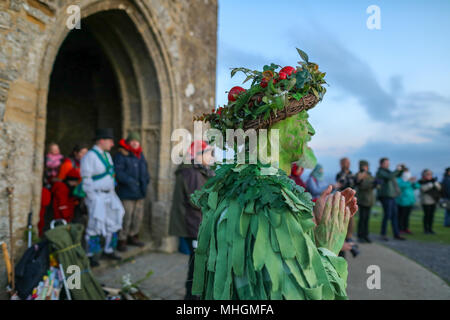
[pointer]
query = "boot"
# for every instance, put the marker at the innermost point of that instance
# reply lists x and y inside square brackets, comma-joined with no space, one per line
[134,241]
[93,262]
[111,256]
[122,246]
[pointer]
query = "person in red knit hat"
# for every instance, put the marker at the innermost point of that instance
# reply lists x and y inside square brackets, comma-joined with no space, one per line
[132,181]
[64,202]
[296,175]
[185,218]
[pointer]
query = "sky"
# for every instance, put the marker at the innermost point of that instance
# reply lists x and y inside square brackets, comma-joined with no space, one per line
[388,93]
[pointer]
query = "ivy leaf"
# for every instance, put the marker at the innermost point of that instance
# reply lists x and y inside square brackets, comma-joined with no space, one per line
[248,78]
[274,66]
[279,103]
[301,77]
[303,55]
[297,96]
[262,109]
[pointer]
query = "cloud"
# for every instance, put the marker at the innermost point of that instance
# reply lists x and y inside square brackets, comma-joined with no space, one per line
[347,71]
[396,83]
[417,156]
[445,131]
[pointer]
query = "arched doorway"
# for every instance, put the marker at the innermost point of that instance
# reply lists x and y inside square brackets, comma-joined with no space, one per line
[117,75]
[83,94]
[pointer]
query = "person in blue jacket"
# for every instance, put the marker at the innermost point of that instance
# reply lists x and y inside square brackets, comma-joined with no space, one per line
[316,184]
[132,180]
[406,200]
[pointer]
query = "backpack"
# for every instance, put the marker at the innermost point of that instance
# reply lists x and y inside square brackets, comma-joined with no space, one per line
[31,268]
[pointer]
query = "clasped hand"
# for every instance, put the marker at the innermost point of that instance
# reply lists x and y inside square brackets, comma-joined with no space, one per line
[332,214]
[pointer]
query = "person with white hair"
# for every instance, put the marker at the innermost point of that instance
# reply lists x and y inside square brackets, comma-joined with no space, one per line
[430,193]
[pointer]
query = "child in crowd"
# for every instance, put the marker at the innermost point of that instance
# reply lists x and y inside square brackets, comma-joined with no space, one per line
[53,161]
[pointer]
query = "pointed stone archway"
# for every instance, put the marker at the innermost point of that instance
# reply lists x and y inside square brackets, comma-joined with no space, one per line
[120,35]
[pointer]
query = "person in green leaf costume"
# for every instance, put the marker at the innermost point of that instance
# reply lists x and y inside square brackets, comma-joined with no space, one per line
[261,236]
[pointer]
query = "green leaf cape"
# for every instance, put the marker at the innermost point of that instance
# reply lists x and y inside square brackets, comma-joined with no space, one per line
[256,240]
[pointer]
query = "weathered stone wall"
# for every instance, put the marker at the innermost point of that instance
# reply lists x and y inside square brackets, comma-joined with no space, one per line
[179,34]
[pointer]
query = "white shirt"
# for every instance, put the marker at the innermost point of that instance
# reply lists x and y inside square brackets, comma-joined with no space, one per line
[91,166]
[105,208]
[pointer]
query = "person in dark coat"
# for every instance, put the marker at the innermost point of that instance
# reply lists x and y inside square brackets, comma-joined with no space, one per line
[446,195]
[346,179]
[133,178]
[387,193]
[365,185]
[185,218]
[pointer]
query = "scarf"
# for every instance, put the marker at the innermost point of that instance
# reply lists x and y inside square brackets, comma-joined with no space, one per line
[297,177]
[137,152]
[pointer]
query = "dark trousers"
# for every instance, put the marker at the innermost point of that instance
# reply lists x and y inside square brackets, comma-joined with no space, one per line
[363,222]
[403,217]
[390,213]
[190,275]
[428,217]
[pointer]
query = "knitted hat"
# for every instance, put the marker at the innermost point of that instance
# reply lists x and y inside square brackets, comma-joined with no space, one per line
[134,135]
[73,174]
[198,147]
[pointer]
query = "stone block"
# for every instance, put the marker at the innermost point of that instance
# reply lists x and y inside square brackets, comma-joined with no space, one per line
[160,220]
[2,111]
[15,5]
[38,14]
[21,104]
[50,4]
[168,245]
[5,20]
[3,94]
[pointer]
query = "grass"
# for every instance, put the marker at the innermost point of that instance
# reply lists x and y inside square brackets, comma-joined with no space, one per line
[442,235]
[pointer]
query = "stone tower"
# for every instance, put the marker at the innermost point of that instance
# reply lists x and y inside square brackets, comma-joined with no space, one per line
[145,65]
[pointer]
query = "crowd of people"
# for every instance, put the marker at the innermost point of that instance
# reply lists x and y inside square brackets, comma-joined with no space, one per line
[394,189]
[103,193]
[107,194]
